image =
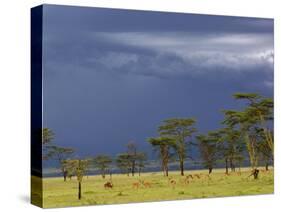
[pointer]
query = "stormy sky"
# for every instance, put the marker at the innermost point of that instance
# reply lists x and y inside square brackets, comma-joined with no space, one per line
[111,76]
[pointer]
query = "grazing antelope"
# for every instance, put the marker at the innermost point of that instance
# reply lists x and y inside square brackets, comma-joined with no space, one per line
[108,185]
[173,182]
[254,173]
[136,185]
[186,180]
[146,184]
[170,179]
[189,176]
[197,175]
[208,177]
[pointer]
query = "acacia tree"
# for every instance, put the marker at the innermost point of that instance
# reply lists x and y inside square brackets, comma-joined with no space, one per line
[47,138]
[81,167]
[123,162]
[132,154]
[264,149]
[231,147]
[178,129]
[60,154]
[102,162]
[69,165]
[141,161]
[246,124]
[207,145]
[78,168]
[262,108]
[256,114]
[163,145]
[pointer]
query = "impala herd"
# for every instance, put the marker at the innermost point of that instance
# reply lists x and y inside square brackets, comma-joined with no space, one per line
[172,182]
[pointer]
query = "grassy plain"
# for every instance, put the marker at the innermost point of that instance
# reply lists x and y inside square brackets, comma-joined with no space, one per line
[61,194]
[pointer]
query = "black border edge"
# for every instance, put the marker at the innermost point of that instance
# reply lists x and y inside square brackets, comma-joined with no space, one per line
[36,105]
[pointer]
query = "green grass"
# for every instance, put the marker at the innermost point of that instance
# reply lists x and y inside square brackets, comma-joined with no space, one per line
[60,194]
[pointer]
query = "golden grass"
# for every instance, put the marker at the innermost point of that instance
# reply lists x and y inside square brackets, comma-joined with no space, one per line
[57,193]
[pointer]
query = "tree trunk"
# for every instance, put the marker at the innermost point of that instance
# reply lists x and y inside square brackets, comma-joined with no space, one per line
[240,167]
[266,166]
[232,166]
[165,159]
[210,170]
[163,167]
[182,167]
[64,176]
[79,190]
[133,168]
[226,166]
[267,134]
[167,172]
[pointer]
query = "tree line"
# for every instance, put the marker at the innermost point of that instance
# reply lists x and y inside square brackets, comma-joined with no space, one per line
[245,133]
[129,162]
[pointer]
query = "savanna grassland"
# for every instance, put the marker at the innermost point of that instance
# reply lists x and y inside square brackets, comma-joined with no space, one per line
[245,136]
[155,187]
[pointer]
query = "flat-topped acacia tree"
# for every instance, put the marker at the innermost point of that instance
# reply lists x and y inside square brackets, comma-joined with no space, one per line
[207,145]
[132,155]
[255,115]
[70,168]
[231,147]
[264,149]
[245,123]
[163,146]
[141,161]
[60,154]
[46,136]
[102,162]
[262,108]
[179,129]
[81,169]
[123,162]
[131,160]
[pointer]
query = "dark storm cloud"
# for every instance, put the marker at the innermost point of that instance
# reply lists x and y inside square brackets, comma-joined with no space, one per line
[185,54]
[157,44]
[116,20]
[111,76]
[171,54]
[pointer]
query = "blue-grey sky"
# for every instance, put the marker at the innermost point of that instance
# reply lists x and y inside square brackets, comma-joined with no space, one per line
[111,76]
